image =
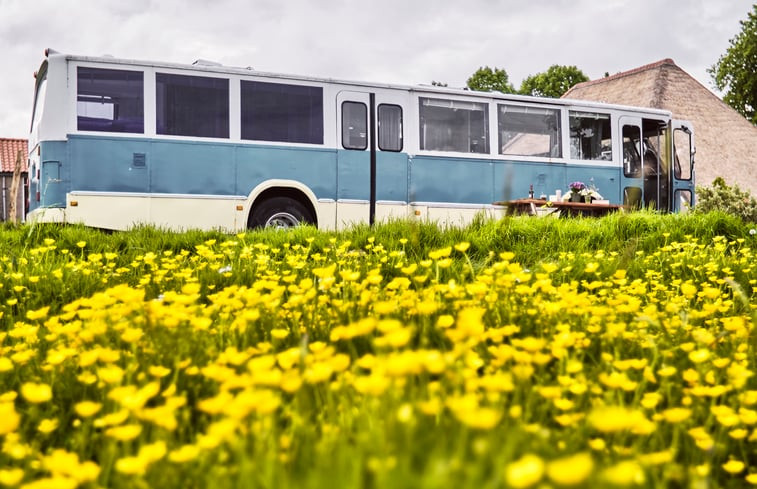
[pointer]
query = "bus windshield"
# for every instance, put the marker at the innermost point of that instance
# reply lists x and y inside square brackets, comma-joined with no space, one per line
[39,102]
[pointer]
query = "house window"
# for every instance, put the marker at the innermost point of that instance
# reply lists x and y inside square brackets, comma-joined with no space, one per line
[109,100]
[192,105]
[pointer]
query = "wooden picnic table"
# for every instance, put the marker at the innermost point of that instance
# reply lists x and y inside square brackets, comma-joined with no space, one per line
[534,207]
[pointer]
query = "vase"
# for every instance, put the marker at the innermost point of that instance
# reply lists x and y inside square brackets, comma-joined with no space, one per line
[576,197]
[587,199]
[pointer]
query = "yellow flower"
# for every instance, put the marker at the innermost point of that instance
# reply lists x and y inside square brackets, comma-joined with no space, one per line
[158,371]
[125,432]
[185,453]
[36,393]
[610,419]
[699,356]
[153,451]
[5,364]
[572,470]
[733,466]
[48,425]
[624,474]
[676,415]
[131,465]
[524,472]
[752,479]
[85,409]
[11,477]
[9,418]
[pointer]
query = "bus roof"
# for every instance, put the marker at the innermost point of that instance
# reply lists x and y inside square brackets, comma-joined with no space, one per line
[217,68]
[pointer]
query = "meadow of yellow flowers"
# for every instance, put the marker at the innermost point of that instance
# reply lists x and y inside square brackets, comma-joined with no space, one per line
[240,363]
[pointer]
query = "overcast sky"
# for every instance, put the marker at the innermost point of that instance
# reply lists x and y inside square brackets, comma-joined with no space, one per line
[396,41]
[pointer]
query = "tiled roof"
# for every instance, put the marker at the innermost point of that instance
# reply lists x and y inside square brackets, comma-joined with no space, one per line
[726,142]
[9,148]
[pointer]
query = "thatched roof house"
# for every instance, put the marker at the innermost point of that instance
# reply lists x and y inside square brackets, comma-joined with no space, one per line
[726,142]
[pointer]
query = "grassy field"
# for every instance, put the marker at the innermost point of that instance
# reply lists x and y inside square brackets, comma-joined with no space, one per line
[613,352]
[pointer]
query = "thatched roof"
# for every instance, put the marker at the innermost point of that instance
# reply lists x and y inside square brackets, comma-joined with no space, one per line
[9,148]
[726,142]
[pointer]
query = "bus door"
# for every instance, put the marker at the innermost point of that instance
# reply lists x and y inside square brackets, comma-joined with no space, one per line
[370,135]
[353,158]
[632,174]
[683,166]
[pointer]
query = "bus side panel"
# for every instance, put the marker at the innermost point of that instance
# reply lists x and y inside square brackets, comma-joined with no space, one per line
[445,180]
[391,176]
[109,164]
[513,179]
[189,167]
[55,176]
[315,168]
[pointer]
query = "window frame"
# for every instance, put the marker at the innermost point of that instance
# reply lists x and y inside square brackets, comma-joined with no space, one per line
[319,131]
[343,128]
[225,128]
[401,128]
[590,111]
[441,98]
[134,78]
[557,113]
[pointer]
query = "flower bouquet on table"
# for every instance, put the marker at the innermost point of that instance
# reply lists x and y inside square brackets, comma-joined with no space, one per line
[579,192]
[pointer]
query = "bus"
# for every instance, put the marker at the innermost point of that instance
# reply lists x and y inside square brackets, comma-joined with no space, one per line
[117,143]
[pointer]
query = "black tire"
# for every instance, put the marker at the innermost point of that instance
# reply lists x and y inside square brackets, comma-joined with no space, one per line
[280,212]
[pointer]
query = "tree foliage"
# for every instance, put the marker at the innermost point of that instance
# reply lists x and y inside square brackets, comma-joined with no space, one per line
[486,79]
[734,72]
[552,83]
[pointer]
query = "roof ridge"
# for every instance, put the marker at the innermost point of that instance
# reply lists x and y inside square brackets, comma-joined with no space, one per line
[650,66]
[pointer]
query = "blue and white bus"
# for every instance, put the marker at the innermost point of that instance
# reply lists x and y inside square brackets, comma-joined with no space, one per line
[116,143]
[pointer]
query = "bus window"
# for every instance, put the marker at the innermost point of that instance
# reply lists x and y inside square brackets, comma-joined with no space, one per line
[389,127]
[529,131]
[280,112]
[354,125]
[452,125]
[631,155]
[110,100]
[192,105]
[590,137]
[682,155]
[39,103]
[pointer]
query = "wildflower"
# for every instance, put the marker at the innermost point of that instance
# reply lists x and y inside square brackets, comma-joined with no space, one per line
[125,432]
[185,453]
[524,472]
[48,425]
[571,470]
[624,474]
[11,477]
[86,409]
[36,393]
[676,415]
[614,418]
[733,466]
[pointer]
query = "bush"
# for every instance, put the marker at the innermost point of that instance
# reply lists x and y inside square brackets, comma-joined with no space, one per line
[730,200]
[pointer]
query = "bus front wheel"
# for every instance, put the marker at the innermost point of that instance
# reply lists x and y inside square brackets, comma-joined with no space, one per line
[280,212]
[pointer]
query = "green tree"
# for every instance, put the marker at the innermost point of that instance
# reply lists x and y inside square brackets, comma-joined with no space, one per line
[486,79]
[734,73]
[552,83]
